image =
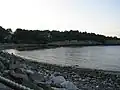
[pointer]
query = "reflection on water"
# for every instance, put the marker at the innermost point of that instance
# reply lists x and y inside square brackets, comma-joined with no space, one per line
[98,57]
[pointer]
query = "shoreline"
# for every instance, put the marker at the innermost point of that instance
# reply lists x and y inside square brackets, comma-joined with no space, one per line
[63,66]
[82,78]
[24,47]
[68,66]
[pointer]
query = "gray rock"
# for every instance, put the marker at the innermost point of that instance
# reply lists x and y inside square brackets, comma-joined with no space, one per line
[31,85]
[18,77]
[3,87]
[45,86]
[58,88]
[29,71]
[1,66]
[5,72]
[20,70]
[36,77]
[14,66]
[69,85]
[58,80]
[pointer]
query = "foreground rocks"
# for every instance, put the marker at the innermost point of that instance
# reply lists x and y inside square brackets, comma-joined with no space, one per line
[41,76]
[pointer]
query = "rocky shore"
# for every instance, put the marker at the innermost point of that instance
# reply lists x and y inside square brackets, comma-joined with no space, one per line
[42,76]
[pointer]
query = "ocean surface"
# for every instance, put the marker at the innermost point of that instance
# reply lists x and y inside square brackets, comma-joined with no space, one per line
[94,57]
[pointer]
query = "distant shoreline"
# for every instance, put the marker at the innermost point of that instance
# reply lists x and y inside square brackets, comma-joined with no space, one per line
[22,47]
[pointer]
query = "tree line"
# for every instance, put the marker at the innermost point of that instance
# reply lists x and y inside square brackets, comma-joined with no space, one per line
[46,36]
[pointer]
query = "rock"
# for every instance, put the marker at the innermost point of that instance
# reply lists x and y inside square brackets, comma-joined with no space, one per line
[45,86]
[57,74]
[36,77]
[3,87]
[5,73]
[58,88]
[23,66]
[69,85]
[14,66]
[18,77]
[58,80]
[1,66]
[29,71]
[31,85]
[19,70]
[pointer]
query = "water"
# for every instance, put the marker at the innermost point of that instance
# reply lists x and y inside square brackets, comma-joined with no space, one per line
[95,57]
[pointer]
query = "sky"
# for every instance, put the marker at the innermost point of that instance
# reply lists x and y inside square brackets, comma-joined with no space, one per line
[97,16]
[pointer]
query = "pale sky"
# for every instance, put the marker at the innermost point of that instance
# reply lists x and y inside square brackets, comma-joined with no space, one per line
[97,16]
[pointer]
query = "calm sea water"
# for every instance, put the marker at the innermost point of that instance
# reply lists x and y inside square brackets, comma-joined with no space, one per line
[97,57]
